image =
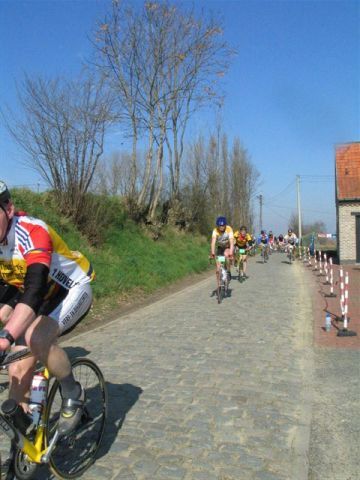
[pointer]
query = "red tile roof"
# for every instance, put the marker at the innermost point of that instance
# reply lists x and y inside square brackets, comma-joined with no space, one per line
[348,171]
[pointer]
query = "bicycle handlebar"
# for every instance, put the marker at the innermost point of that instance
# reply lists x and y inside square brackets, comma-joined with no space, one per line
[11,357]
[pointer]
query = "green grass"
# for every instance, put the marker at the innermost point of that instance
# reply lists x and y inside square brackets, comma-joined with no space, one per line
[129,260]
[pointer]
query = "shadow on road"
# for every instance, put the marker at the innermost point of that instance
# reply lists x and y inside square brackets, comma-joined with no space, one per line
[121,399]
[76,352]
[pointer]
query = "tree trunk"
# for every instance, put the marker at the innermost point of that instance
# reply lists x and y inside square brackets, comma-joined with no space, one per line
[147,174]
[158,178]
[133,170]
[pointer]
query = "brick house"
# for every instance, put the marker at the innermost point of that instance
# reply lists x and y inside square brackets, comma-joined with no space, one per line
[347,178]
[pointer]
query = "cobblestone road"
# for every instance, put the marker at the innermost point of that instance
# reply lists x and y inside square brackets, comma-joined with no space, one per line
[201,391]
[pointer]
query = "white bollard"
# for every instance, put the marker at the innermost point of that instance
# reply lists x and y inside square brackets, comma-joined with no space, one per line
[342,296]
[331,279]
[326,269]
[344,332]
[346,300]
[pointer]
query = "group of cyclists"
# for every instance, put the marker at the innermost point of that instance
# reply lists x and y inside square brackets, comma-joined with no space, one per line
[283,243]
[235,246]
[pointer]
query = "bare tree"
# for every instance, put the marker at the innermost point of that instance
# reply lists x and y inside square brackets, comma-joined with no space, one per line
[210,191]
[162,62]
[317,226]
[62,131]
[195,192]
[199,58]
[117,42]
[244,178]
[113,175]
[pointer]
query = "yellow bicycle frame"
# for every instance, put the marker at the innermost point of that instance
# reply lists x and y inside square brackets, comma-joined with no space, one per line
[34,450]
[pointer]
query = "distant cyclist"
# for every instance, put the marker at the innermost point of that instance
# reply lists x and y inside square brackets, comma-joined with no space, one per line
[290,240]
[263,239]
[271,240]
[243,242]
[263,242]
[222,242]
[281,242]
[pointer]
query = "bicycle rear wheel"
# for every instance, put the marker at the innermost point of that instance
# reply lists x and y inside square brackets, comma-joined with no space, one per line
[76,452]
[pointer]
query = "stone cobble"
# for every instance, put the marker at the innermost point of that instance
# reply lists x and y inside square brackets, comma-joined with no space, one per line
[202,391]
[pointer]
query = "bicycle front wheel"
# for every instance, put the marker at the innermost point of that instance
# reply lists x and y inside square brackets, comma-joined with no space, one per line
[220,290]
[76,452]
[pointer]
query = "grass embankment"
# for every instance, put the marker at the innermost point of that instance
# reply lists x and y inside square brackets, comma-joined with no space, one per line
[129,261]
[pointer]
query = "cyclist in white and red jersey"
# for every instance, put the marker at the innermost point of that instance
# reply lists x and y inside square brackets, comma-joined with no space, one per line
[291,240]
[44,291]
[271,240]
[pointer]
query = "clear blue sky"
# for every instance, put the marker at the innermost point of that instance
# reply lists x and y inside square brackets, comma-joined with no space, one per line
[292,93]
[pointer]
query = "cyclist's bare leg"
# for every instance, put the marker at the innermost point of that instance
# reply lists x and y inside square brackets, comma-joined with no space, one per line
[41,338]
[20,373]
[20,376]
[244,264]
[228,260]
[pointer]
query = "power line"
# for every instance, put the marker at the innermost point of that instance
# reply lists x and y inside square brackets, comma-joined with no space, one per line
[317,176]
[279,214]
[282,191]
[330,180]
[303,209]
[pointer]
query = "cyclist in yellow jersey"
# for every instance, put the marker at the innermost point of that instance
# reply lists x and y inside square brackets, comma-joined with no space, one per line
[243,242]
[44,292]
[222,242]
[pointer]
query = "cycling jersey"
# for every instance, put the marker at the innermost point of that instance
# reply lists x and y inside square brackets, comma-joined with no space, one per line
[263,239]
[291,239]
[31,241]
[242,240]
[223,238]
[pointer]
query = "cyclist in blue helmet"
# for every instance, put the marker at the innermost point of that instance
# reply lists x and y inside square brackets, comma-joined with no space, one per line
[222,242]
[221,222]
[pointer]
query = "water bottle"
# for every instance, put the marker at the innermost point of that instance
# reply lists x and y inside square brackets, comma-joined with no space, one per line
[19,418]
[37,396]
[328,322]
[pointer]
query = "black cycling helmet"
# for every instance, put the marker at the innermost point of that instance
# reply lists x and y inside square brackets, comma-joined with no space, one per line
[290,231]
[243,227]
[4,194]
[221,222]
[262,232]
